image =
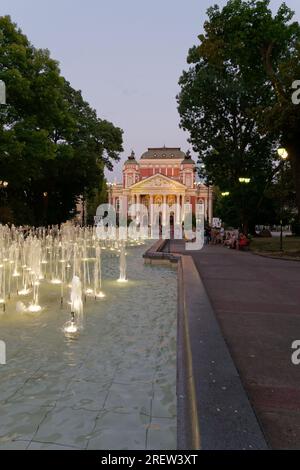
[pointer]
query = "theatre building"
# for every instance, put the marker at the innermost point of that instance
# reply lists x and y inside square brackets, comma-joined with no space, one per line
[162,176]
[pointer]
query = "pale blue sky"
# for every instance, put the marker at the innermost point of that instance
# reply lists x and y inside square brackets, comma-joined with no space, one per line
[125,55]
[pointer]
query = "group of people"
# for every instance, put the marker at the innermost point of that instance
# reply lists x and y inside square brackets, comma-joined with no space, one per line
[231,239]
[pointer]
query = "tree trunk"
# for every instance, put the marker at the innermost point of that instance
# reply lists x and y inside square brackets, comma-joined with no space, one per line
[244,222]
[251,228]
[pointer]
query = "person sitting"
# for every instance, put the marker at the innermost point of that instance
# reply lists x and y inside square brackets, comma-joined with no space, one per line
[222,234]
[243,242]
[227,239]
[206,235]
[230,241]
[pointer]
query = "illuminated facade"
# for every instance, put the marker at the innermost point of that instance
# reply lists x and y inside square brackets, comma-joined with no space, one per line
[162,176]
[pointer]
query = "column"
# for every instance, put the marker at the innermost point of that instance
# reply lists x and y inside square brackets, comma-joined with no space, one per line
[129,202]
[151,209]
[133,203]
[205,208]
[138,212]
[177,216]
[182,208]
[164,215]
[210,208]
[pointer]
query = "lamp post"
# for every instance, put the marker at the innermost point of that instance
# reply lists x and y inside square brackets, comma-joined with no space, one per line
[208,202]
[45,215]
[244,180]
[283,154]
[3,185]
[3,196]
[208,194]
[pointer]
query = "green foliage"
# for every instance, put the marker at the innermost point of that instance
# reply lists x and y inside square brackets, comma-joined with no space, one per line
[296,227]
[51,140]
[98,196]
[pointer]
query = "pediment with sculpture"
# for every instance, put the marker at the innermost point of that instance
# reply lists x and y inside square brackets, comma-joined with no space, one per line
[156,182]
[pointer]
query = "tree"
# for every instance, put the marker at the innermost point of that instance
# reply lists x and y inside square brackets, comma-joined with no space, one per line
[98,196]
[214,105]
[53,147]
[261,50]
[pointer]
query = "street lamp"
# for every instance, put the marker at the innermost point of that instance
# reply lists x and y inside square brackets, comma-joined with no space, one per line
[3,186]
[225,194]
[244,180]
[45,208]
[283,154]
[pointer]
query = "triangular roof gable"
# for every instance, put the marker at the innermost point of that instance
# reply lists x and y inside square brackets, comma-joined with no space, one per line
[158,180]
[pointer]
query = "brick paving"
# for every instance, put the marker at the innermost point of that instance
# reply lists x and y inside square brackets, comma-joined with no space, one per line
[257,303]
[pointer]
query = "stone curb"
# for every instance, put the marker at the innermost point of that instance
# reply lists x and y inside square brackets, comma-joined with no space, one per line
[156,254]
[281,258]
[188,431]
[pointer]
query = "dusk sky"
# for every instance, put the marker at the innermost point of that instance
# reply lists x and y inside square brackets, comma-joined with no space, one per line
[125,55]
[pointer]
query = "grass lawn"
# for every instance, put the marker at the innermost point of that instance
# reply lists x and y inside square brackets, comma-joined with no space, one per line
[291,246]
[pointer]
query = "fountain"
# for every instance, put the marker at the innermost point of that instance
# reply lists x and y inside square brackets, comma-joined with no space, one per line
[86,271]
[63,272]
[98,275]
[71,255]
[16,273]
[34,307]
[122,277]
[76,260]
[70,327]
[2,286]
[76,301]
[73,326]
[55,279]
[26,252]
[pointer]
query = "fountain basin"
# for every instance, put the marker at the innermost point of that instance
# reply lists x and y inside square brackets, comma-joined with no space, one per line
[115,386]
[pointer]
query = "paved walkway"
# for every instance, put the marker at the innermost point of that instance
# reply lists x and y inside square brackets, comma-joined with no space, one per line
[257,303]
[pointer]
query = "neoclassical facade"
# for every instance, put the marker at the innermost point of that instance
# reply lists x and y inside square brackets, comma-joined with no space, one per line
[162,176]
